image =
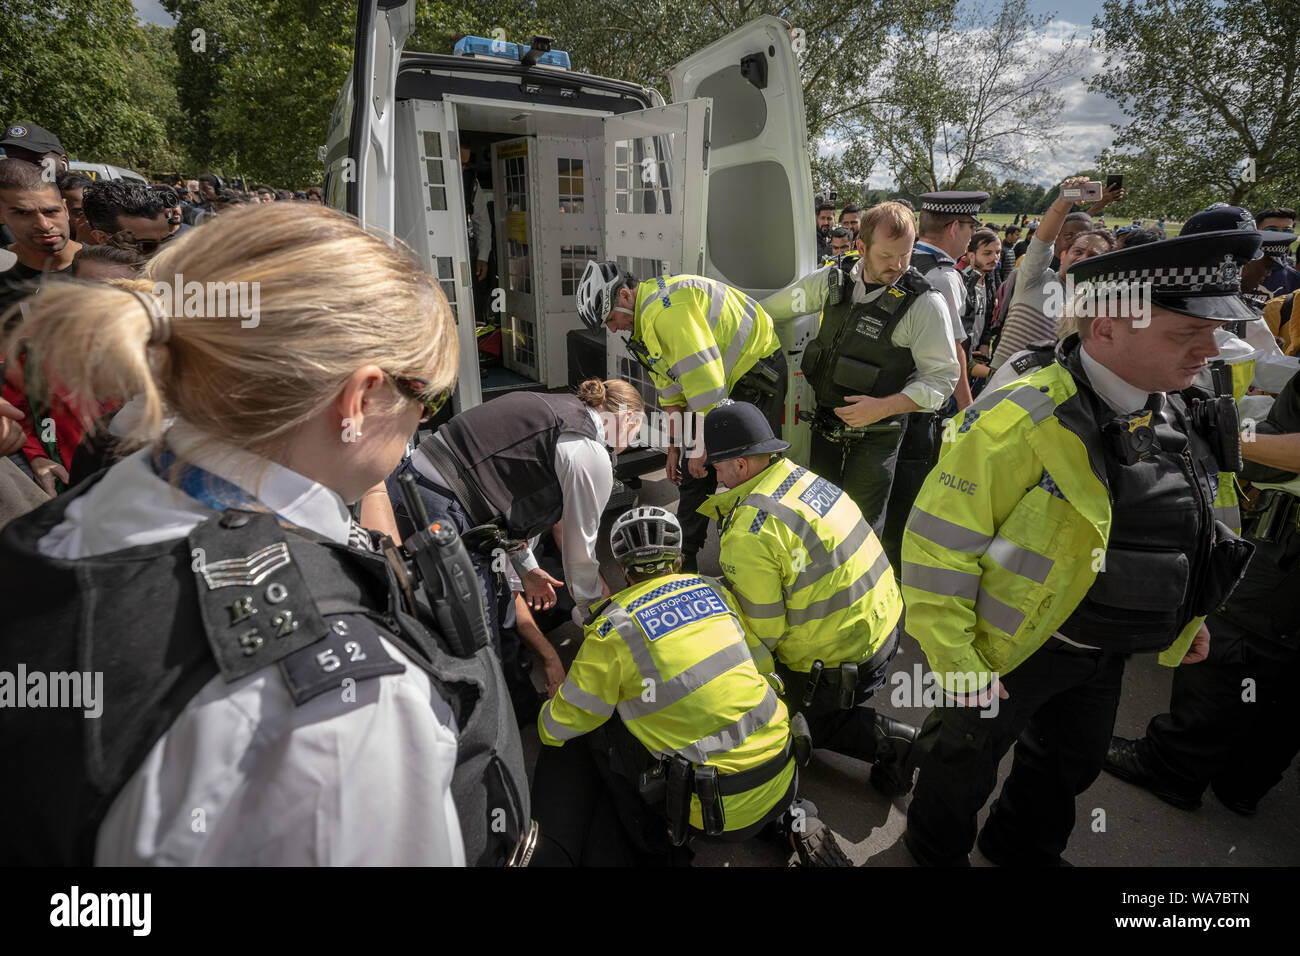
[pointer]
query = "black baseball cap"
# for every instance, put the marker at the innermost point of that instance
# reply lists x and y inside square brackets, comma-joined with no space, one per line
[33,137]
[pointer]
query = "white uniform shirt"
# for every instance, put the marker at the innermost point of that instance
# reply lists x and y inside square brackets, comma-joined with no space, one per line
[924,328]
[586,478]
[243,776]
[946,280]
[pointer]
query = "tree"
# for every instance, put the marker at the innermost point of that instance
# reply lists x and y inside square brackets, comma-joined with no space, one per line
[843,47]
[1210,93]
[978,93]
[73,67]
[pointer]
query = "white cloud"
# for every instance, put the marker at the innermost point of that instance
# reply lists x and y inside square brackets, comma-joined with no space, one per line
[1083,125]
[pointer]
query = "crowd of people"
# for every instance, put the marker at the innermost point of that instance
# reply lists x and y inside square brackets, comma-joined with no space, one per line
[313,619]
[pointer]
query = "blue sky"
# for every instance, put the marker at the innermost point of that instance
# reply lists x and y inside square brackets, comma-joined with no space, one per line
[1085,121]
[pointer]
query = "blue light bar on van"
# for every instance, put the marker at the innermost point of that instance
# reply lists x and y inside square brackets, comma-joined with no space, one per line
[505,50]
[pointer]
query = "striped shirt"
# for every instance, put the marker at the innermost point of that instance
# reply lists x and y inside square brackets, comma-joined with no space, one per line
[1029,319]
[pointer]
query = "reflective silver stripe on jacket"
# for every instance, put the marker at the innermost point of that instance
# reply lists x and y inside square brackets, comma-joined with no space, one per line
[692,362]
[716,290]
[843,598]
[584,700]
[680,686]
[1021,561]
[1000,615]
[946,534]
[733,735]
[942,581]
[1037,403]
[743,331]
[706,399]
[556,729]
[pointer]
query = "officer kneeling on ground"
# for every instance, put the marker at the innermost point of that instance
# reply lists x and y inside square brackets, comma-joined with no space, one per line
[270,690]
[1074,520]
[710,745]
[814,587]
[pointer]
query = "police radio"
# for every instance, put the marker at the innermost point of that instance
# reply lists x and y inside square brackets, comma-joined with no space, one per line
[1216,420]
[441,568]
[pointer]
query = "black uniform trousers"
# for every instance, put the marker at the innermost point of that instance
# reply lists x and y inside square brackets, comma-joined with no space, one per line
[589,810]
[693,491]
[1062,708]
[850,731]
[1231,721]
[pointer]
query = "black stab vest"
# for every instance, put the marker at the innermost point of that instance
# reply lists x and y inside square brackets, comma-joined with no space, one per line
[146,619]
[506,447]
[854,352]
[1162,528]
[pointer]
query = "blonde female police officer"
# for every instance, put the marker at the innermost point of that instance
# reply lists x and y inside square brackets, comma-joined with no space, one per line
[268,694]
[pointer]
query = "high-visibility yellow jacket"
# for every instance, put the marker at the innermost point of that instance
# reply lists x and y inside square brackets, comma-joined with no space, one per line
[701,336]
[990,570]
[669,654]
[810,578]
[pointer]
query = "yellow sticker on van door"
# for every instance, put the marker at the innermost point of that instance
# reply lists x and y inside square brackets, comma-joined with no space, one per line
[517,227]
[511,150]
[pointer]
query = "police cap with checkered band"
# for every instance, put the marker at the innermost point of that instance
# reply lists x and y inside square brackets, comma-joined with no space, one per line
[1197,275]
[952,203]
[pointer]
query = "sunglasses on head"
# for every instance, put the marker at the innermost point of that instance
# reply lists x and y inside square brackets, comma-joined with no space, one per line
[417,388]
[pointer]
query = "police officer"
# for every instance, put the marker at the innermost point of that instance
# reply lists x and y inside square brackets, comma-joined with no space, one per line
[701,341]
[1076,519]
[265,687]
[1230,724]
[507,470]
[884,348]
[813,586]
[697,735]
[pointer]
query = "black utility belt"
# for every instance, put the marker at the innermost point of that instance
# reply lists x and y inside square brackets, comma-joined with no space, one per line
[846,677]
[830,426]
[672,781]
[1275,513]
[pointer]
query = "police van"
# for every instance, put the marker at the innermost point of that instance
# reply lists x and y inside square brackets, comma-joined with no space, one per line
[582,167]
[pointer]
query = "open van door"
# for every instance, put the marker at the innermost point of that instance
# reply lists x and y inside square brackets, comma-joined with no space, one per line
[382,29]
[656,189]
[760,211]
[761,217]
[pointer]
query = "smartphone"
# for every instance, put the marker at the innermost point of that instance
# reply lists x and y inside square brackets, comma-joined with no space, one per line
[1082,193]
[1116,180]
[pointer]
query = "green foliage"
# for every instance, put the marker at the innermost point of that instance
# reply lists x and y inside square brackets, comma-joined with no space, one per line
[1206,87]
[85,71]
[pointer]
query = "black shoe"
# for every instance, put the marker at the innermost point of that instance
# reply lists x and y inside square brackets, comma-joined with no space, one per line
[1122,761]
[998,855]
[815,845]
[1241,805]
[922,860]
[891,772]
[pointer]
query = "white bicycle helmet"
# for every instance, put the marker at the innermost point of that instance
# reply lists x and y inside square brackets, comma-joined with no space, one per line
[597,290]
[646,539]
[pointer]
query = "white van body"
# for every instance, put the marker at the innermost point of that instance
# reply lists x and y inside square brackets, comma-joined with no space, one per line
[102,171]
[583,167]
